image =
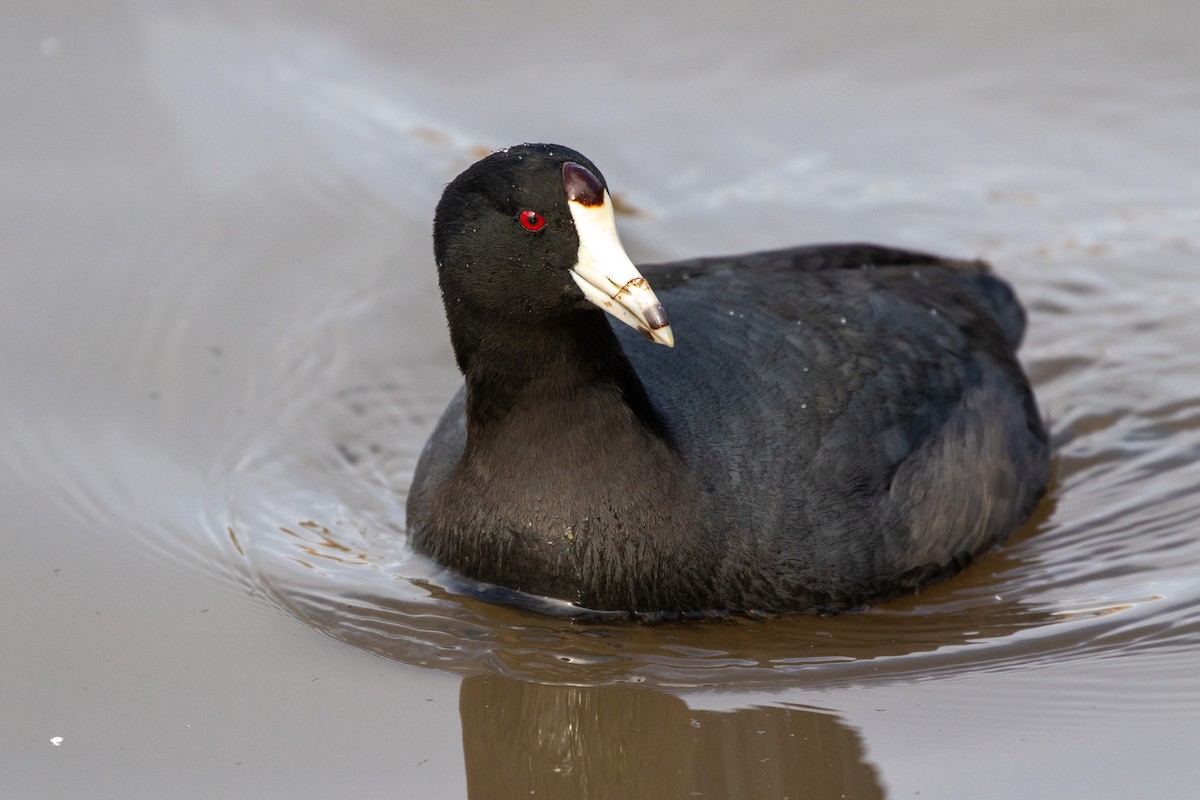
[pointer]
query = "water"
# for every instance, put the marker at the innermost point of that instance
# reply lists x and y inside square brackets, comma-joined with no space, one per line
[221,348]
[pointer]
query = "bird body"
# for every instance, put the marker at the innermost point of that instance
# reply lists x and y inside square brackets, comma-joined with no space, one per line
[837,424]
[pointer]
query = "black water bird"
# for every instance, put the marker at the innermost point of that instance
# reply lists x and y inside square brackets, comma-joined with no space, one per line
[838,423]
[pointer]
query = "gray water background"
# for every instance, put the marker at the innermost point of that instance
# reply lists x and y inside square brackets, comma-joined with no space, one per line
[221,348]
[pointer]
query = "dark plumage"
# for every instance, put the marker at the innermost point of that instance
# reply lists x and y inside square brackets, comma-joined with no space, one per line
[838,424]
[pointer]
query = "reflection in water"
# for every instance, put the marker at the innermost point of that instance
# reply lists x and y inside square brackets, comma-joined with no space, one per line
[525,740]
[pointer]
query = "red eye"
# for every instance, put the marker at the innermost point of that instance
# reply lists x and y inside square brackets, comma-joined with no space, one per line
[532,221]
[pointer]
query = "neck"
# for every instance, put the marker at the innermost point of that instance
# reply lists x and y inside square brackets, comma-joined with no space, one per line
[550,378]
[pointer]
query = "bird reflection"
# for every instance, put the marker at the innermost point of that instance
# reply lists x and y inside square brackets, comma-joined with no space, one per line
[527,740]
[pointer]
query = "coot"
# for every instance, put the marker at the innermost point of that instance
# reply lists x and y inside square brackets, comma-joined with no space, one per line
[826,426]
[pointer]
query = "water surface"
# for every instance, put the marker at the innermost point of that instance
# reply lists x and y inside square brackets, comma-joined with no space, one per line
[221,348]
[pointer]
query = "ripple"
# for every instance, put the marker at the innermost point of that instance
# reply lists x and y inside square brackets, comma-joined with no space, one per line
[1103,569]
[291,434]
[290,430]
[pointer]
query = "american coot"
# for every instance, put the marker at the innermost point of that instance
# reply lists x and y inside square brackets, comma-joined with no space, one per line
[827,425]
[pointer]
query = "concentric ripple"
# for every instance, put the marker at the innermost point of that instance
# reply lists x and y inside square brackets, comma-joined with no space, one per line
[1103,569]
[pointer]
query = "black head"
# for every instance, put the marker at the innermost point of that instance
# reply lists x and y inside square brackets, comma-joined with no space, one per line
[526,238]
[503,235]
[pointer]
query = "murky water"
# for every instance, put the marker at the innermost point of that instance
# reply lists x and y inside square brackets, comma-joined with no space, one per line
[221,349]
